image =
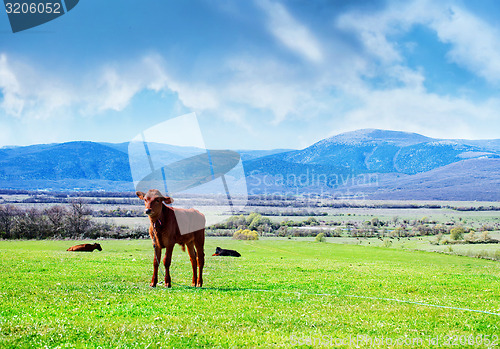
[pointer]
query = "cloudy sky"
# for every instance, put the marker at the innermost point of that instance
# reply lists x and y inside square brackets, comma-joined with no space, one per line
[259,74]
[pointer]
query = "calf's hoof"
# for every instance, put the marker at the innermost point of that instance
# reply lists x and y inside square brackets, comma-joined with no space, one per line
[168,284]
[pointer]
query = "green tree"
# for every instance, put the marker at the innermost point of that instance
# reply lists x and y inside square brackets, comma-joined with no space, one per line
[457,233]
[311,221]
[252,216]
[320,237]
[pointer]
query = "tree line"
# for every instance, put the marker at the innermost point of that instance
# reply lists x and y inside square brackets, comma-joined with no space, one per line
[59,222]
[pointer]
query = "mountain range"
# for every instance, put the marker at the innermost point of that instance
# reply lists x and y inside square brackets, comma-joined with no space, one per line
[368,163]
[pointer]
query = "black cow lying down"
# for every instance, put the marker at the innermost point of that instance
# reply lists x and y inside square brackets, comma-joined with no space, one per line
[222,252]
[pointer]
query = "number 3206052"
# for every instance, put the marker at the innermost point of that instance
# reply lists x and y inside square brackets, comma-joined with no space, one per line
[24,7]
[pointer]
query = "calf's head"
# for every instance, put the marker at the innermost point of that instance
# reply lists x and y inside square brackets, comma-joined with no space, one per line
[98,247]
[153,201]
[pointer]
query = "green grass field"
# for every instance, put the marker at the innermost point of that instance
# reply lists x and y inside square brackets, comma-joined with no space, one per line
[280,293]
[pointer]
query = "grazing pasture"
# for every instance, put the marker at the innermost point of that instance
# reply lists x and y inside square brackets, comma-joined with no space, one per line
[279,293]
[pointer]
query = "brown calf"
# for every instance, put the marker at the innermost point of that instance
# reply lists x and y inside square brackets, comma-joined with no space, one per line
[170,226]
[85,248]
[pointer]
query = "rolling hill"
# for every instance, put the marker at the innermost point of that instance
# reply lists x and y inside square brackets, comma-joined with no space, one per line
[369,150]
[372,163]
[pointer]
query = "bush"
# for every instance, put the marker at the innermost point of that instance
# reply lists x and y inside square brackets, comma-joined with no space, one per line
[320,237]
[311,221]
[471,237]
[485,236]
[457,233]
[438,238]
[486,227]
[246,234]
[338,232]
[7,220]
[282,231]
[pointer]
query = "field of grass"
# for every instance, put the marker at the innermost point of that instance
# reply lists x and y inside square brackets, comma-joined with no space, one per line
[280,293]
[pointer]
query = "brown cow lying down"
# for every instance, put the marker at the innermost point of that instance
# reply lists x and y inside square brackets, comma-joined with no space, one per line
[85,248]
[223,252]
[170,226]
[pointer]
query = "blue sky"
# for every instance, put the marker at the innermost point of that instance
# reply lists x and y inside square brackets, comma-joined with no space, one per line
[259,74]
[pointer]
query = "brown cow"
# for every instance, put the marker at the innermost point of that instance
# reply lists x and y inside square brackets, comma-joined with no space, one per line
[85,248]
[170,226]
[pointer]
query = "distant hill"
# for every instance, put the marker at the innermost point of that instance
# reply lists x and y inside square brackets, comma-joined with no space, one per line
[371,163]
[466,180]
[382,151]
[369,155]
[73,160]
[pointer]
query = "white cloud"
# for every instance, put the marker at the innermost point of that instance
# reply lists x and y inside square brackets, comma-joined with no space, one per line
[415,110]
[118,83]
[290,32]
[7,135]
[407,105]
[30,92]
[329,83]
[10,88]
[474,43]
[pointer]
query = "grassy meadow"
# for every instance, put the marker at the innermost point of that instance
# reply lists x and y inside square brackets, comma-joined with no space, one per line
[280,293]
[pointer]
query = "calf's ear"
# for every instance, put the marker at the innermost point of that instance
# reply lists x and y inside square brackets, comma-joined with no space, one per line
[140,194]
[168,200]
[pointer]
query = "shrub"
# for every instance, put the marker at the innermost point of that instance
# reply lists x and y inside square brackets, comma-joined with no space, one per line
[7,215]
[387,243]
[486,227]
[439,228]
[246,234]
[471,237]
[457,233]
[439,237]
[338,232]
[311,221]
[485,236]
[320,237]
[282,231]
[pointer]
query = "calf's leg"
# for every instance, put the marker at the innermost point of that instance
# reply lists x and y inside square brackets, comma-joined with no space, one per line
[199,242]
[192,257]
[156,261]
[167,261]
